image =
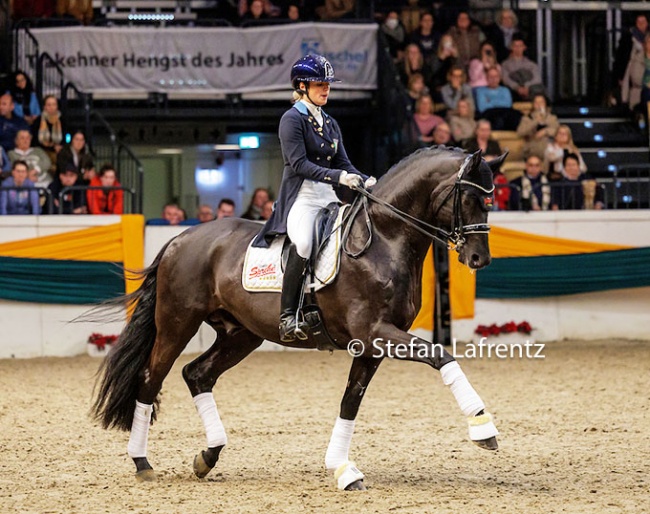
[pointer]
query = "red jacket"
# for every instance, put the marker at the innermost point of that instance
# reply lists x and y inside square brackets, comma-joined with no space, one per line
[101,201]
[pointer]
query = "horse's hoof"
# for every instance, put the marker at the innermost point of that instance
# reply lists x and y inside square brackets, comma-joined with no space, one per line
[488,444]
[356,486]
[201,469]
[146,475]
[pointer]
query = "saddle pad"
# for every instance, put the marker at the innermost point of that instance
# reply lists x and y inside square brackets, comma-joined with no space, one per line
[262,272]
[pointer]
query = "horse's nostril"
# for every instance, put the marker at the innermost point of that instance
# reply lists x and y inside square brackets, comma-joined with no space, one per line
[476,258]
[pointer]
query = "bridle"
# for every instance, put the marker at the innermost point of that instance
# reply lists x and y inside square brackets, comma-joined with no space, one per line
[453,239]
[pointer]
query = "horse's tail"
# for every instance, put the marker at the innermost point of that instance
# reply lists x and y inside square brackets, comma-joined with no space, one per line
[119,376]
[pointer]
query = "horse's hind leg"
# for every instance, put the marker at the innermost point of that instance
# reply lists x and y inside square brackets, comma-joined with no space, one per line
[200,376]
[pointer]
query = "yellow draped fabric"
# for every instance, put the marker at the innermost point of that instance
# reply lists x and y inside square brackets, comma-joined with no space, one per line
[503,243]
[121,242]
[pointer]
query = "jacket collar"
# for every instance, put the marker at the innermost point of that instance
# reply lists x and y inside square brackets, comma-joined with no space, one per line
[323,131]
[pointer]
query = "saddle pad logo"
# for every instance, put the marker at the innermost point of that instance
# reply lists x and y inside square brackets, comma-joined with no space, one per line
[262,271]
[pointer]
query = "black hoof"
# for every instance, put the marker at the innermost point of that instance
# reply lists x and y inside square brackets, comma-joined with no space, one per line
[144,471]
[206,460]
[488,444]
[356,486]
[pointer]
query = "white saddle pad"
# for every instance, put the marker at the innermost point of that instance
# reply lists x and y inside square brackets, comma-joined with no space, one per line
[262,270]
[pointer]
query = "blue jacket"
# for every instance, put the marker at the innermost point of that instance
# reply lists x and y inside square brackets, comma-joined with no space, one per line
[8,130]
[309,152]
[488,98]
[19,202]
[34,108]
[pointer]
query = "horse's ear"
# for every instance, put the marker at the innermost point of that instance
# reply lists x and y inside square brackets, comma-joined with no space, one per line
[495,164]
[475,160]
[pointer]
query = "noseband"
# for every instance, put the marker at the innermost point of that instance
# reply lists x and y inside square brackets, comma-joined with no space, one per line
[453,239]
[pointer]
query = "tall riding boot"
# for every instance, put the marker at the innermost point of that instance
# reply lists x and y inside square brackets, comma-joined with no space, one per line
[292,283]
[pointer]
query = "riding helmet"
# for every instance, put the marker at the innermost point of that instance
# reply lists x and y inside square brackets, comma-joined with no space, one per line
[312,68]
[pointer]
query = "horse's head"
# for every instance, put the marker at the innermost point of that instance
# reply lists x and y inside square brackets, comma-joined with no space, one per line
[462,202]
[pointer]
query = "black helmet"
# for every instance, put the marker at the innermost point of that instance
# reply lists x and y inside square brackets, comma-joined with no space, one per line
[312,68]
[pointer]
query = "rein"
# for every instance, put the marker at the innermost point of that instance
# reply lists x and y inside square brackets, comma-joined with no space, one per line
[452,239]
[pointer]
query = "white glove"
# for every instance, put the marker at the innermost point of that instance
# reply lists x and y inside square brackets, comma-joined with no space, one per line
[352,180]
[370,182]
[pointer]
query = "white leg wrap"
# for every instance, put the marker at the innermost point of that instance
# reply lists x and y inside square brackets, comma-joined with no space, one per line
[337,450]
[137,446]
[214,429]
[468,400]
[346,474]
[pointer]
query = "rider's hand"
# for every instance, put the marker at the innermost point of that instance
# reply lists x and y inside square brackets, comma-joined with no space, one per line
[352,180]
[370,182]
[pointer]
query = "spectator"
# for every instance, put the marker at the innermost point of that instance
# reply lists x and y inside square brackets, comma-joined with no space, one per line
[88,171]
[32,9]
[557,150]
[531,191]
[521,74]
[483,140]
[426,38]
[395,35]
[25,102]
[425,120]
[255,12]
[259,198]
[456,88]
[105,200]
[13,201]
[645,88]
[269,9]
[631,41]
[413,63]
[80,10]
[336,9]
[502,32]
[468,38]
[35,158]
[442,135]
[416,88]
[72,202]
[443,61]
[225,209]
[293,13]
[73,152]
[171,214]
[479,67]
[494,103]
[569,193]
[538,128]
[461,120]
[632,82]
[267,210]
[10,124]
[48,129]
[205,213]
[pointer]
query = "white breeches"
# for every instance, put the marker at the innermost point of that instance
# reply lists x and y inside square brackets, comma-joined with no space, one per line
[312,197]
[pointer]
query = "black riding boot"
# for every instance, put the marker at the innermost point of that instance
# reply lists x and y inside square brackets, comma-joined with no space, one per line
[291,285]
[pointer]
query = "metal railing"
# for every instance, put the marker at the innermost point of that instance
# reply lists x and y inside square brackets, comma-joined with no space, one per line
[42,193]
[129,198]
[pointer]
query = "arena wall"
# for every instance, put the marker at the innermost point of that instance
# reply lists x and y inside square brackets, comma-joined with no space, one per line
[35,330]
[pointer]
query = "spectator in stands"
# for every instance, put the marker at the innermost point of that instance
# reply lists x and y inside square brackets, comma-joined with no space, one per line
[87,170]
[494,103]
[225,209]
[267,210]
[461,120]
[35,157]
[632,81]
[479,67]
[336,9]
[259,198]
[483,140]
[413,63]
[502,32]
[48,129]
[205,213]
[416,88]
[32,9]
[531,191]
[13,201]
[80,10]
[293,13]
[576,190]
[255,12]
[456,88]
[171,215]
[561,146]
[269,8]
[468,38]
[631,42]
[521,74]
[10,124]
[427,38]
[395,34]
[73,152]
[425,120]
[442,135]
[106,200]
[26,104]
[538,128]
[443,61]
[72,202]
[645,89]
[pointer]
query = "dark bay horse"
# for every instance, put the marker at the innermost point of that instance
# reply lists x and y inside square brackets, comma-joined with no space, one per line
[196,277]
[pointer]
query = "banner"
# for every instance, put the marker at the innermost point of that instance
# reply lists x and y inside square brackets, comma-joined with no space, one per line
[219,60]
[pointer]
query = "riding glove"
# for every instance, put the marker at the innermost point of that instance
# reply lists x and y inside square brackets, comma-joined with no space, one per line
[370,182]
[352,180]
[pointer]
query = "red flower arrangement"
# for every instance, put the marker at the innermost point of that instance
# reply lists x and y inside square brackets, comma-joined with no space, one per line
[100,340]
[507,328]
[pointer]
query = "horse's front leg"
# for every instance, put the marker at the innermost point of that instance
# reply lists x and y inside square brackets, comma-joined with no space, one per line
[393,342]
[347,475]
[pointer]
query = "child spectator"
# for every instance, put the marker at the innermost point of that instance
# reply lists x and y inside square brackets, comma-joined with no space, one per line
[105,200]
[14,201]
[72,202]
[25,102]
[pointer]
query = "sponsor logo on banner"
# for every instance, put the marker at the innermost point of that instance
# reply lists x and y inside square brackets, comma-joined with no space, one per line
[351,60]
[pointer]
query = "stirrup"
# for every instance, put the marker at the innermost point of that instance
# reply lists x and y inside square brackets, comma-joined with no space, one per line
[291,328]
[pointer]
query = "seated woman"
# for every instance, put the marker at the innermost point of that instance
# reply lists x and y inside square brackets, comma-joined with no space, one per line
[413,62]
[456,88]
[461,120]
[425,120]
[48,130]
[576,190]
[17,201]
[106,200]
[557,150]
[479,67]
[26,104]
[538,128]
